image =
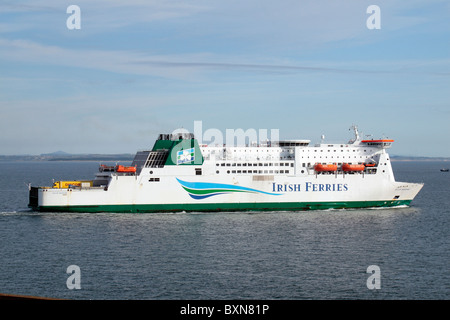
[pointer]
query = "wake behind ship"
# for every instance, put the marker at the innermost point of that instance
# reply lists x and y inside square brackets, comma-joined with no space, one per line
[178,174]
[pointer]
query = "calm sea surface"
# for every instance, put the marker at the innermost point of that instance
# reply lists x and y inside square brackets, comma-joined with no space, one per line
[266,255]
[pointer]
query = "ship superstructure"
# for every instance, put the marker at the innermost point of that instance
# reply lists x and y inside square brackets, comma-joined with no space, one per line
[178,174]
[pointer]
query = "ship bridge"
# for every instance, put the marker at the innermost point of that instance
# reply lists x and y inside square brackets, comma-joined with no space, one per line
[382,143]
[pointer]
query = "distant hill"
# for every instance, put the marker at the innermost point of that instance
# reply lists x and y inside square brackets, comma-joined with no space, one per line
[56,153]
[409,158]
[64,156]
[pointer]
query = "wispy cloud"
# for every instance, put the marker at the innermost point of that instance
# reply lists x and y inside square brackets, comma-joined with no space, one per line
[187,66]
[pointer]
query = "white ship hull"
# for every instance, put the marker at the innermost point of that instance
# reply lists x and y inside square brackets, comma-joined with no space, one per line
[212,186]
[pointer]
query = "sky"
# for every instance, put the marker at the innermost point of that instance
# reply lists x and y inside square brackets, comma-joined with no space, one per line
[307,68]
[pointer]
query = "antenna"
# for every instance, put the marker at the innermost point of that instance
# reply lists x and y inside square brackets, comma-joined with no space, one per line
[355,129]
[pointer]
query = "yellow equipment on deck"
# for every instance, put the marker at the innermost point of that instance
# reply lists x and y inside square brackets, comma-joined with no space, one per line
[69,184]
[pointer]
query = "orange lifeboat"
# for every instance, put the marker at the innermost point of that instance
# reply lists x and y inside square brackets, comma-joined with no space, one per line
[121,168]
[370,164]
[325,167]
[353,167]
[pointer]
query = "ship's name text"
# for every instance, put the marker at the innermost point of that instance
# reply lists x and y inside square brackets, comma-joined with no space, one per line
[308,186]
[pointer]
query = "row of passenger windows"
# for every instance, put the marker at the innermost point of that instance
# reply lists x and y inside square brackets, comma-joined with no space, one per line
[256,171]
[283,150]
[332,157]
[329,150]
[267,164]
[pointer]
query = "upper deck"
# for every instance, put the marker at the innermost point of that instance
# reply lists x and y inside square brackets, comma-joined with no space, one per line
[173,151]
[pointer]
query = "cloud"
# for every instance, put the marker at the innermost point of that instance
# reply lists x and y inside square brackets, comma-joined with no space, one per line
[196,66]
[100,15]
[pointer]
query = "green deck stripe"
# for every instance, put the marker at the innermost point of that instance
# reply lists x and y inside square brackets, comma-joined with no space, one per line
[211,207]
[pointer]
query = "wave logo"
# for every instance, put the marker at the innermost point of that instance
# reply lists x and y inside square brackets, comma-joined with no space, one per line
[202,190]
[185,156]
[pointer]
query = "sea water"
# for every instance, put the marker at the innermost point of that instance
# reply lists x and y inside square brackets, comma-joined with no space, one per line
[258,255]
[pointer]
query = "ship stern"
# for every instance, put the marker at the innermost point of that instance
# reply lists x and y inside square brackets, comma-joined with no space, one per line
[33,198]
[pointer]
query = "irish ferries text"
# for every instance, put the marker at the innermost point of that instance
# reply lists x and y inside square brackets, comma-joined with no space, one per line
[309,186]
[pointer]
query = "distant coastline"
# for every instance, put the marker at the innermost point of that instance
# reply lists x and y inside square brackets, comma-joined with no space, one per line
[63,156]
[69,157]
[418,158]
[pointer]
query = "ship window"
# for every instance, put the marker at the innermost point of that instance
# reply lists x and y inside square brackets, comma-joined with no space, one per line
[223,165]
[286,171]
[153,180]
[239,171]
[217,171]
[228,171]
[198,171]
[233,171]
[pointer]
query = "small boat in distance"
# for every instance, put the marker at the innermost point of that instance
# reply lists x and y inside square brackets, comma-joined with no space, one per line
[444,169]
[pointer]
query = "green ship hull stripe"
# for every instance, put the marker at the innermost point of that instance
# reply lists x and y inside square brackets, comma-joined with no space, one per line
[212,207]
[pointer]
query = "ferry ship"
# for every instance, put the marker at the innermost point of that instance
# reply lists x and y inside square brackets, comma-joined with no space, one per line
[179,174]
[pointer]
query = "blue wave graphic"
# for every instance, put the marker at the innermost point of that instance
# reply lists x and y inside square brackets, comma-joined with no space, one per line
[224,188]
[197,197]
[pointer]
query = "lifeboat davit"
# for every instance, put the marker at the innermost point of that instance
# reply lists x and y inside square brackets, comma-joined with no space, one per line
[325,167]
[121,168]
[353,167]
[105,168]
